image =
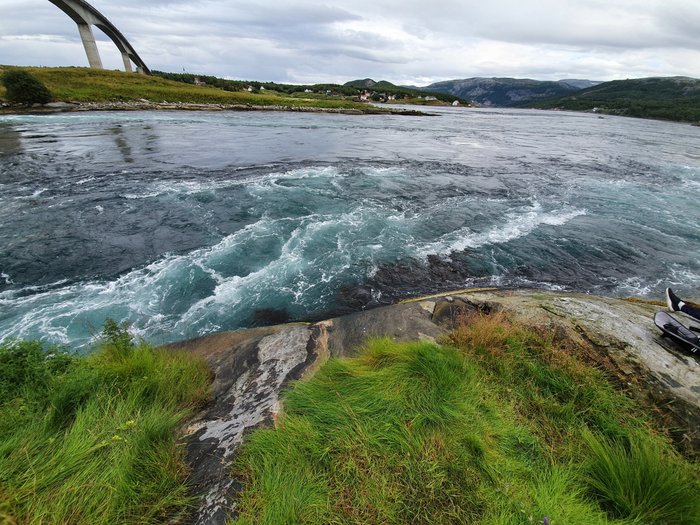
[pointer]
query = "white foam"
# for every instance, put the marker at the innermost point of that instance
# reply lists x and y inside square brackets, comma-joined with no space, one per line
[34,195]
[516,224]
[639,286]
[196,186]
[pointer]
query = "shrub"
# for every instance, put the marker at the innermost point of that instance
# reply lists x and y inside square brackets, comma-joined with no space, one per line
[23,88]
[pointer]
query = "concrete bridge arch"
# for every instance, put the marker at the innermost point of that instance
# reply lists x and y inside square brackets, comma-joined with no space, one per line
[86,16]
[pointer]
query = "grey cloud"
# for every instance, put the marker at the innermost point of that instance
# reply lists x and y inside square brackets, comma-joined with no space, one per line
[409,40]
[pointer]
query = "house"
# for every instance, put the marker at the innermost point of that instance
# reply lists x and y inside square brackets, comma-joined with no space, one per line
[364,96]
[430,97]
[199,82]
[455,103]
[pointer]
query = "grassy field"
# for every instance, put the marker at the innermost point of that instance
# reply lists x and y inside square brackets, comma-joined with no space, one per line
[496,426]
[91,85]
[92,440]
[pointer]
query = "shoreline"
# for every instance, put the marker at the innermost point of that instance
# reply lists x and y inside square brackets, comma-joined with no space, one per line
[145,105]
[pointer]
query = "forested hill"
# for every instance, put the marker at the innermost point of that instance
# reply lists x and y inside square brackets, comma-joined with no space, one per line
[671,98]
[402,92]
[507,92]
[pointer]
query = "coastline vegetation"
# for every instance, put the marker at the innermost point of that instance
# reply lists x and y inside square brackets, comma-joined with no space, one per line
[76,84]
[497,425]
[381,91]
[673,98]
[93,439]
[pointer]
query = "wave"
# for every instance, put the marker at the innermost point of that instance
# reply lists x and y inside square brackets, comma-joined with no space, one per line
[232,177]
[516,224]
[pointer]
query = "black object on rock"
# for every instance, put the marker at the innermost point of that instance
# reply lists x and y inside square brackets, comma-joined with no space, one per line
[673,328]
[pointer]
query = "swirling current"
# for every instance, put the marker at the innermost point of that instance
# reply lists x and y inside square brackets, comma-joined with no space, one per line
[186,223]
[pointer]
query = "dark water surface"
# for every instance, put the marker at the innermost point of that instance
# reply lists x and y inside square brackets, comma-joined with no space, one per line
[187,223]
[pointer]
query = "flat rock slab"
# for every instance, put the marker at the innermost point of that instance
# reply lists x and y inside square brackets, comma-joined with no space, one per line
[252,367]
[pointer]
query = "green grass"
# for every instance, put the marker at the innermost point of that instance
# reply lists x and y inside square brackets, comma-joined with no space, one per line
[92,440]
[91,85]
[635,477]
[497,426]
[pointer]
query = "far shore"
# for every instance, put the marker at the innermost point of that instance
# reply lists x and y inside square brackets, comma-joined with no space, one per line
[146,105]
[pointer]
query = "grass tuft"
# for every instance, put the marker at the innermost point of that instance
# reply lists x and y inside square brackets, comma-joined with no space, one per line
[92,440]
[639,478]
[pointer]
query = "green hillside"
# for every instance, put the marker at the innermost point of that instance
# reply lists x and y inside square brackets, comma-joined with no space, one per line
[671,98]
[94,85]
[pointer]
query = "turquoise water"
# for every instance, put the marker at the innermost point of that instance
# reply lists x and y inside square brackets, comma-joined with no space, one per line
[188,223]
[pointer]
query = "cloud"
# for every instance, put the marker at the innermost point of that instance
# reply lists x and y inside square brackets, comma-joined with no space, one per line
[406,42]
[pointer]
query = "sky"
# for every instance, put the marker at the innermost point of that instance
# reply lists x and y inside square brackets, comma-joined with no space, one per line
[407,42]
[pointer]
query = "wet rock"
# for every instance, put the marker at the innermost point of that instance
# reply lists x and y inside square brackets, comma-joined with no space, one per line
[59,105]
[250,369]
[436,273]
[360,297]
[270,316]
[404,322]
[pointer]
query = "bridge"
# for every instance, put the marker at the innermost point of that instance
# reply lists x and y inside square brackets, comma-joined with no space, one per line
[87,16]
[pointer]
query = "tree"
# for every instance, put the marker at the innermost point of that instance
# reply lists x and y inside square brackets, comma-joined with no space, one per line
[23,88]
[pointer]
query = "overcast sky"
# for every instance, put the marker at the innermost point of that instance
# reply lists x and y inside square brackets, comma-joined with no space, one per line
[405,42]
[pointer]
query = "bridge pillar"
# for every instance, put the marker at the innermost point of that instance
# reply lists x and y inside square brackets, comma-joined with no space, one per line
[127,62]
[90,46]
[87,16]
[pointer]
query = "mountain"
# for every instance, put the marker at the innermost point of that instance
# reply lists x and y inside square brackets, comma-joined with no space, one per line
[506,92]
[369,83]
[671,98]
[580,84]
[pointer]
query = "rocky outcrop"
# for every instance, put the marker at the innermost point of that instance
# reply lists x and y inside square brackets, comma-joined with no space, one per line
[252,367]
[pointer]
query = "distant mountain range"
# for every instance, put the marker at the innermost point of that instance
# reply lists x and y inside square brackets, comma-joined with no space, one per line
[670,98]
[508,92]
